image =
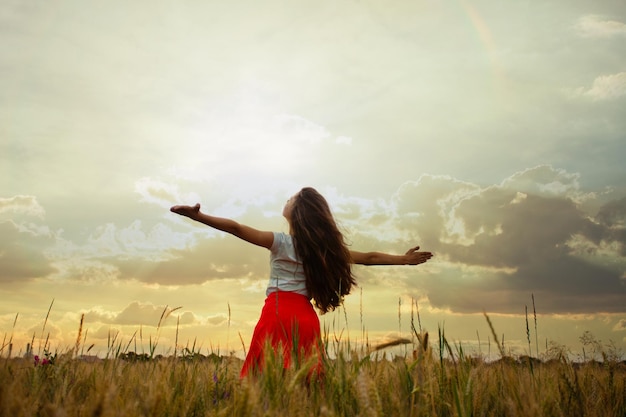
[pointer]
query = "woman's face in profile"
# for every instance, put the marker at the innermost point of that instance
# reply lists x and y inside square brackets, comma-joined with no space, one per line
[289,206]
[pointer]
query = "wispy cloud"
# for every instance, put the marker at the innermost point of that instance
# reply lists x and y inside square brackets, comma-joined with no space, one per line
[160,193]
[21,204]
[593,26]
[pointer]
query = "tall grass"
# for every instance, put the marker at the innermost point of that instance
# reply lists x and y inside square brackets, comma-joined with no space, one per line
[436,378]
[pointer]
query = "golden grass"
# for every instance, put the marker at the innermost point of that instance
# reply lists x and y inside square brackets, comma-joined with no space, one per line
[429,383]
[435,379]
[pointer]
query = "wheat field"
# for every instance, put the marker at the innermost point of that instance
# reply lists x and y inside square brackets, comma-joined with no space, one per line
[436,379]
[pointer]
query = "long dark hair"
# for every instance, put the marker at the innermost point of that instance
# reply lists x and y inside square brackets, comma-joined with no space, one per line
[321,247]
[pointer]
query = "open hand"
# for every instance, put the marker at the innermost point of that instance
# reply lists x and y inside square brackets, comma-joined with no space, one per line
[414,257]
[187,211]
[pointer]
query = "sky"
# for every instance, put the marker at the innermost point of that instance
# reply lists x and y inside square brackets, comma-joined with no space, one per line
[491,134]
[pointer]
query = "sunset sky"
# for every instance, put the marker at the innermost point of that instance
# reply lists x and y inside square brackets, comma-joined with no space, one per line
[490,133]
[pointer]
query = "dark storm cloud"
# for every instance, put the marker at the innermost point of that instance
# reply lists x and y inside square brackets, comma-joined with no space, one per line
[509,244]
[518,233]
[613,217]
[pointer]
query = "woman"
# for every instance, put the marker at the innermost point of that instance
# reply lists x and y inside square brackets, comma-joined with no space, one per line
[311,262]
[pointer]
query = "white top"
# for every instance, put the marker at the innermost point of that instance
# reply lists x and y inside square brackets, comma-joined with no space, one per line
[286,273]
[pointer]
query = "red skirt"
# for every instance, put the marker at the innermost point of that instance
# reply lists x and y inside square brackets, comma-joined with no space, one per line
[289,324]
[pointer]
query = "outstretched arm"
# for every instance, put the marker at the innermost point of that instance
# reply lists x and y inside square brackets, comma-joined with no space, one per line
[411,257]
[247,233]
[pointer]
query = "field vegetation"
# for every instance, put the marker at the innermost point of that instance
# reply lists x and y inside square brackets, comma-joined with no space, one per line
[435,378]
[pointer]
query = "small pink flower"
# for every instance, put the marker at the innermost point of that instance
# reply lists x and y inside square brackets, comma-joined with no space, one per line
[36,360]
[45,362]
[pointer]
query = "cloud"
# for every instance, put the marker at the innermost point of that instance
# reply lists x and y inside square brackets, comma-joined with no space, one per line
[157,192]
[220,257]
[186,253]
[85,271]
[139,313]
[545,180]
[606,87]
[99,315]
[494,245]
[23,252]
[217,320]
[109,241]
[21,204]
[423,207]
[593,26]
[504,242]
[47,329]
[613,214]
[104,333]
[186,318]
